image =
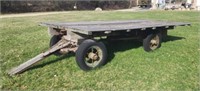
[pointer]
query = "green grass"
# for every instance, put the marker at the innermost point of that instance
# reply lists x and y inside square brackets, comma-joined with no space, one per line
[175,66]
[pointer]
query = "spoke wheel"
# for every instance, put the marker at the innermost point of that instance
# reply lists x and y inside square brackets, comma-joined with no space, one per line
[54,39]
[152,42]
[91,54]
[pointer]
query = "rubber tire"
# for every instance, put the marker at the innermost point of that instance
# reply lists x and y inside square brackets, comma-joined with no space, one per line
[54,39]
[82,49]
[146,41]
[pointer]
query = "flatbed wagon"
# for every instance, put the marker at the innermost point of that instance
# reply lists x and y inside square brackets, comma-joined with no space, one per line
[85,39]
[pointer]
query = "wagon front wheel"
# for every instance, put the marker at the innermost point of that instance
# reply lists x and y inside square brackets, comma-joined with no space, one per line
[152,42]
[54,39]
[91,54]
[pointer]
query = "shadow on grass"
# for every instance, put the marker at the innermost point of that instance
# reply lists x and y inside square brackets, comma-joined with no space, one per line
[172,38]
[52,61]
[112,47]
[123,45]
[120,46]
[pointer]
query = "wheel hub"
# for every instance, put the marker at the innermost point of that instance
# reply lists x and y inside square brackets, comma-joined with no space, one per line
[93,56]
[154,42]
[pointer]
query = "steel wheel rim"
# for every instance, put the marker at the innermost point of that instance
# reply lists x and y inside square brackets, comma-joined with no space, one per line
[93,56]
[154,43]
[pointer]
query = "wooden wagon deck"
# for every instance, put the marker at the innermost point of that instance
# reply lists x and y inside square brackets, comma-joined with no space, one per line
[98,26]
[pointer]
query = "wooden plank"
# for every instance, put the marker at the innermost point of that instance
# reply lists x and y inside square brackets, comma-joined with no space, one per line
[22,67]
[26,65]
[98,26]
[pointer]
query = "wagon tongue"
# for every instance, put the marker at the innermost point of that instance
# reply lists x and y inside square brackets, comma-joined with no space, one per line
[61,44]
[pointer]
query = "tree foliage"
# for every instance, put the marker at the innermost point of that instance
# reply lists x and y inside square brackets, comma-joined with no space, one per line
[38,6]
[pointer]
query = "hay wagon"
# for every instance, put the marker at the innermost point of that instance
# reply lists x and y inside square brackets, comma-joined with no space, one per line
[85,39]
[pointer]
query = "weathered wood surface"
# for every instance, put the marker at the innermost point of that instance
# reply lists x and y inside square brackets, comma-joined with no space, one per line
[37,58]
[98,26]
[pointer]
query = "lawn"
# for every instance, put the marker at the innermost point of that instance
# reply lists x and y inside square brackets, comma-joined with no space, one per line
[175,66]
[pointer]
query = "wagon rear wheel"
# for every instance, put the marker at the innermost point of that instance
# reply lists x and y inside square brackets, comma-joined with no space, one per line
[152,42]
[54,39]
[91,55]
